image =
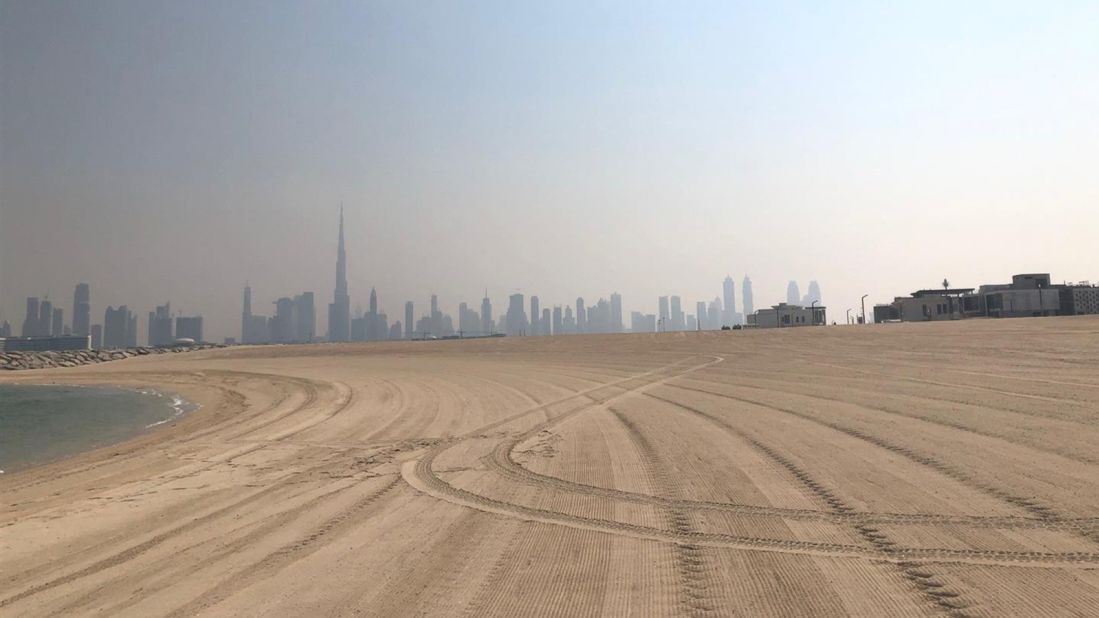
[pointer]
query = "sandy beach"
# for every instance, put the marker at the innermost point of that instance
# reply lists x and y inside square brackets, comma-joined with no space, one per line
[946,469]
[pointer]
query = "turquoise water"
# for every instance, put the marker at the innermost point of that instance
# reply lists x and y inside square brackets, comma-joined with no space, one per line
[39,424]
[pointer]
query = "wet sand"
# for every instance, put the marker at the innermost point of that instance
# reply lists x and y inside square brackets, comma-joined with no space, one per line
[902,470]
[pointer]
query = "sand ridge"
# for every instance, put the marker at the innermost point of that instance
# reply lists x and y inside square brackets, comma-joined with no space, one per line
[918,469]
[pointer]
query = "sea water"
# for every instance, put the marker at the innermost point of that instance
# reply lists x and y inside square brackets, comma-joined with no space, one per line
[39,424]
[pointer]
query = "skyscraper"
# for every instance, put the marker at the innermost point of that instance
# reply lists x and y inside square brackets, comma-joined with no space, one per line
[701,313]
[45,319]
[246,315]
[305,318]
[57,325]
[30,323]
[581,316]
[97,336]
[678,318]
[814,293]
[746,297]
[116,324]
[339,312]
[663,314]
[728,286]
[160,326]
[793,296]
[486,315]
[82,309]
[189,328]
[534,313]
[616,312]
[516,316]
[547,322]
[714,316]
[408,319]
[558,321]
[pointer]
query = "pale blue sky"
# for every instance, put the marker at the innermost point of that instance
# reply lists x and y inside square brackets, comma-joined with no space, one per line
[172,151]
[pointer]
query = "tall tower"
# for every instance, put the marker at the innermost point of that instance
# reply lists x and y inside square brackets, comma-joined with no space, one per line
[408,324]
[339,312]
[729,288]
[534,313]
[616,312]
[581,315]
[746,297]
[793,296]
[486,315]
[246,315]
[814,292]
[82,310]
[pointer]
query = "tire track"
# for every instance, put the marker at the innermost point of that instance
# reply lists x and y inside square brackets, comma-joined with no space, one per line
[911,415]
[1029,505]
[690,562]
[946,601]
[280,558]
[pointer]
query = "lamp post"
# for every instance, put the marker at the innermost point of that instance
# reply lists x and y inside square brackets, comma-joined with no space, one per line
[863,301]
[848,317]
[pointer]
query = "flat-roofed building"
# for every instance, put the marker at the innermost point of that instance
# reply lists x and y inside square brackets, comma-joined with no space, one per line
[785,315]
[45,344]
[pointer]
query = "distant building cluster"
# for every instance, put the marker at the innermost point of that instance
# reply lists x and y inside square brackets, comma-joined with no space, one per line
[44,328]
[1028,295]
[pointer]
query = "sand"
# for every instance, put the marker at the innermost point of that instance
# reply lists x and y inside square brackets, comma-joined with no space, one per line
[899,470]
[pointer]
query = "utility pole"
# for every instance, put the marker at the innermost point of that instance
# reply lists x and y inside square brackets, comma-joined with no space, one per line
[864,308]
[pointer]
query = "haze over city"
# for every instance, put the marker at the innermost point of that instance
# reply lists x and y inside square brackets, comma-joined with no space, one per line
[177,152]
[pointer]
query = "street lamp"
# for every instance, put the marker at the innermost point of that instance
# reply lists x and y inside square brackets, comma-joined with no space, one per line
[863,301]
[848,317]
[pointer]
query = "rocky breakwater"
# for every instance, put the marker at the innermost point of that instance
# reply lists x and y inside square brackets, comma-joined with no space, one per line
[74,358]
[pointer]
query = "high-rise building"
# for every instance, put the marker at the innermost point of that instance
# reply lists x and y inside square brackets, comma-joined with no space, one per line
[408,319]
[746,297]
[305,318]
[714,317]
[568,324]
[486,315]
[254,329]
[664,313]
[97,336]
[534,313]
[5,329]
[558,321]
[30,323]
[281,325]
[160,326]
[116,323]
[339,312]
[814,294]
[581,316]
[45,319]
[678,318]
[82,309]
[57,324]
[395,331]
[189,328]
[728,288]
[616,312]
[703,314]
[516,316]
[793,297]
[547,321]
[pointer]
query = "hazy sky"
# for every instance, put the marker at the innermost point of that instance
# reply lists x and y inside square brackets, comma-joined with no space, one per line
[175,150]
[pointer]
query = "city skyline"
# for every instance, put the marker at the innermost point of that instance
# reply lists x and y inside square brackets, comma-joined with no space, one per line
[652,155]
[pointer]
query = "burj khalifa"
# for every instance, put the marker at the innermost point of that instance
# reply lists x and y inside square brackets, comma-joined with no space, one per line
[339,311]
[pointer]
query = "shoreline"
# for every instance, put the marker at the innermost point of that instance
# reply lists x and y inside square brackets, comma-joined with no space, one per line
[178,410]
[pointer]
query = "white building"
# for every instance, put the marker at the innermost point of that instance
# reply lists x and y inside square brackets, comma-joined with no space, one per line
[785,315]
